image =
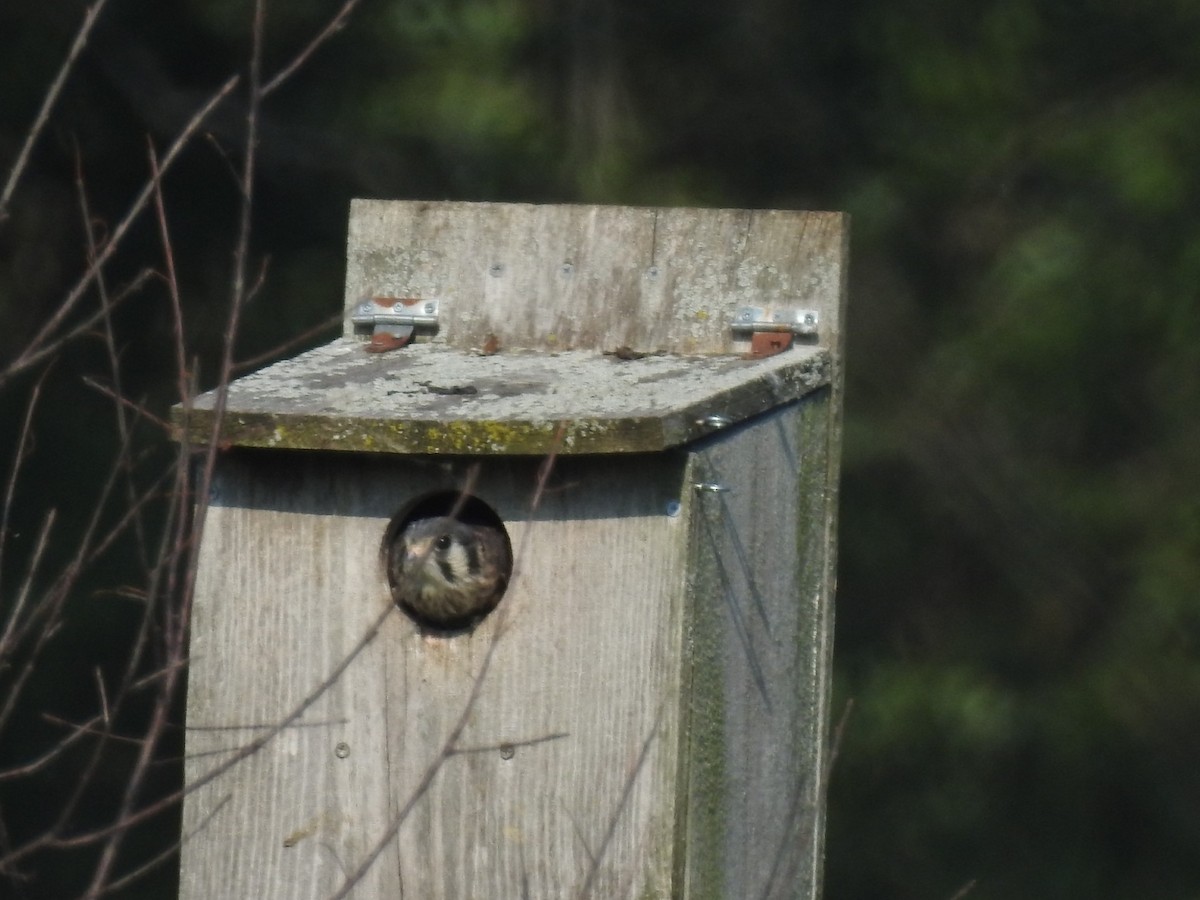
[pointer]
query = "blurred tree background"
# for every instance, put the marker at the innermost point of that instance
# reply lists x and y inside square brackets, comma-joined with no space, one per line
[1018,609]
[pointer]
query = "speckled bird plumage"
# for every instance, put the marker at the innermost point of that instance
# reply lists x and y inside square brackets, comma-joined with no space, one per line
[447,573]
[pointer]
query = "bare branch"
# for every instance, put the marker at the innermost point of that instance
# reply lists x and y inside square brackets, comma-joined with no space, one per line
[34,351]
[427,777]
[335,25]
[450,746]
[24,442]
[30,357]
[150,865]
[589,881]
[276,352]
[245,752]
[120,401]
[110,343]
[56,86]
[839,732]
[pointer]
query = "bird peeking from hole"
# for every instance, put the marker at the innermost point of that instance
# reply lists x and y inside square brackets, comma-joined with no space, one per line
[448,574]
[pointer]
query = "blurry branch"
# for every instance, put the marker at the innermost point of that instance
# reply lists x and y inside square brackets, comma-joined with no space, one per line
[30,356]
[138,409]
[243,753]
[44,618]
[176,637]
[110,343]
[450,746]
[36,614]
[169,853]
[14,635]
[56,86]
[335,25]
[304,337]
[835,743]
[589,881]
[23,448]
[39,348]
[427,777]
[173,541]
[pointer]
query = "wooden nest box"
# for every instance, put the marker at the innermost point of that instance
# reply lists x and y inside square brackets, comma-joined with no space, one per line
[645,404]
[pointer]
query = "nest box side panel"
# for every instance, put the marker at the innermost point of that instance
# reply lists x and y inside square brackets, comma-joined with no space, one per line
[595,277]
[761,620]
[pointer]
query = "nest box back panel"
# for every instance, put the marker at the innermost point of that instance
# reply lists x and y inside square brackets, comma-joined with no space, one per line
[518,329]
[595,277]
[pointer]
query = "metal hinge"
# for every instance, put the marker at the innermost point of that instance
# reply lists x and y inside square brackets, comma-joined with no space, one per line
[390,321]
[772,331]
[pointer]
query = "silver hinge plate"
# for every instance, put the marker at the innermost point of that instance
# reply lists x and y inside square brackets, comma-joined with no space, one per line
[757,318]
[772,331]
[391,321]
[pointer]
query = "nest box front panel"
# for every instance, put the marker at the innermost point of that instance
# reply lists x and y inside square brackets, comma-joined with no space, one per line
[551,727]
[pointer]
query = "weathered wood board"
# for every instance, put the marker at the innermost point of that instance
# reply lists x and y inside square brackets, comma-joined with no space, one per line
[645,714]
[760,650]
[596,277]
[583,683]
[432,399]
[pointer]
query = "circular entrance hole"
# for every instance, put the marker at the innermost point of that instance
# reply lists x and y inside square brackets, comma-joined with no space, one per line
[448,560]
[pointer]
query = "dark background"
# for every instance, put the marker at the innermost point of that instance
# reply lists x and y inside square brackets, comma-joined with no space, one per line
[1020,529]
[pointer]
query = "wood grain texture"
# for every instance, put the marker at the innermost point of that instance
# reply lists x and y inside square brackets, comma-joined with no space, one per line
[595,277]
[583,683]
[433,399]
[653,717]
[760,633]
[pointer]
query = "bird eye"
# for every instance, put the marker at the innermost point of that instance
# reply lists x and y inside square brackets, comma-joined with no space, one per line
[443,542]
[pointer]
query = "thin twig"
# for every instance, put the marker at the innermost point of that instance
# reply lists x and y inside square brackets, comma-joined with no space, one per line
[162,706]
[835,744]
[43,116]
[24,442]
[335,25]
[504,746]
[30,357]
[150,865]
[593,871]
[427,777]
[245,752]
[36,765]
[120,401]
[34,350]
[450,745]
[276,352]
[110,343]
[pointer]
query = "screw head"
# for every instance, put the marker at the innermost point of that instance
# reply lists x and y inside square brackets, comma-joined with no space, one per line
[429,308]
[342,750]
